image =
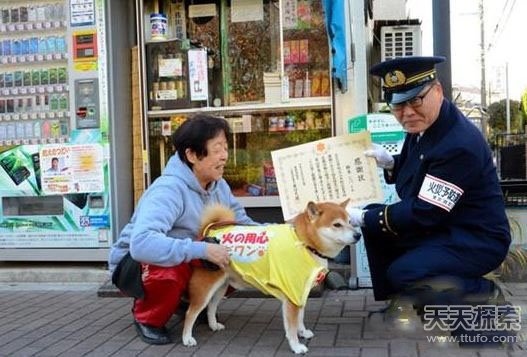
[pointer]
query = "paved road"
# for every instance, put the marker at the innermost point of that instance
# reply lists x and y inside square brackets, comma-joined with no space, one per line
[76,323]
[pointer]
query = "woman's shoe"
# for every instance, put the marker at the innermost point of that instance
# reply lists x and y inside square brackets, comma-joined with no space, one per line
[152,335]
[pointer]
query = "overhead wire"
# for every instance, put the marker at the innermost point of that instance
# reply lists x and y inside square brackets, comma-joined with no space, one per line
[500,26]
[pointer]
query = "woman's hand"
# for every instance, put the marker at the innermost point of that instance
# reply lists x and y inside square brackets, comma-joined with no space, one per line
[218,255]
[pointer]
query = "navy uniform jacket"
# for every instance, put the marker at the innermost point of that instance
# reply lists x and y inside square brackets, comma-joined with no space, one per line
[449,190]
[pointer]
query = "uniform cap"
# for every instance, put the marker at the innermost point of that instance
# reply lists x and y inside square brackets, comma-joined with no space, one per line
[405,77]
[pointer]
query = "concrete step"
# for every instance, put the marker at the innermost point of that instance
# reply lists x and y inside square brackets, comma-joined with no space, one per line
[107,289]
[21,272]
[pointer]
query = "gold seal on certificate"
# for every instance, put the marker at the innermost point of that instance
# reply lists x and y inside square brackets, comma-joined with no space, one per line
[332,169]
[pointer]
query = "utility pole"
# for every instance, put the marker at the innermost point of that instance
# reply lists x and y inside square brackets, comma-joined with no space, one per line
[508,102]
[441,27]
[483,90]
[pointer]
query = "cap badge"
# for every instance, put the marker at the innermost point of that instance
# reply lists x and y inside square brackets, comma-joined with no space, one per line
[394,78]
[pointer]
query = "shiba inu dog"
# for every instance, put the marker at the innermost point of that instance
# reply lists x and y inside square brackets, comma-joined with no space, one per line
[292,259]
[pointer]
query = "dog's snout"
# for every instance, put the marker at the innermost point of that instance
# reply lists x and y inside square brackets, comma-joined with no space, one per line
[357,236]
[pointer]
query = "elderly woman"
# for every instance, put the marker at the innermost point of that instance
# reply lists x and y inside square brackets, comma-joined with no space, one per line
[156,247]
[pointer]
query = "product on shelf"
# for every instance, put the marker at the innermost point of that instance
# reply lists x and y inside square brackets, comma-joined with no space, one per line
[35,99]
[253,66]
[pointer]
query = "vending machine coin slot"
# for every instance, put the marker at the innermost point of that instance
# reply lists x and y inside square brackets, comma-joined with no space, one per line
[87,103]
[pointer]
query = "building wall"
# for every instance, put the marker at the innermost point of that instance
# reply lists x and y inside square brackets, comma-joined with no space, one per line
[389,9]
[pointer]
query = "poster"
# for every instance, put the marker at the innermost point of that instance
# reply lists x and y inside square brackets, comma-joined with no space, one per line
[72,169]
[197,72]
[332,169]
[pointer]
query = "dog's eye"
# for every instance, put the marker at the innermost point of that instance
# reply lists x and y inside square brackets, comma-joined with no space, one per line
[337,225]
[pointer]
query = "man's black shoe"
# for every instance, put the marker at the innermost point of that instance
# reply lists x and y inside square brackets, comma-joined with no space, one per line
[152,335]
[495,297]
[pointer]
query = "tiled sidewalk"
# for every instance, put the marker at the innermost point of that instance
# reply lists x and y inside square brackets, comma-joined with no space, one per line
[78,323]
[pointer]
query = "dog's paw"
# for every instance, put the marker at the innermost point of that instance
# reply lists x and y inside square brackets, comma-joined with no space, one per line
[189,341]
[217,326]
[299,348]
[306,333]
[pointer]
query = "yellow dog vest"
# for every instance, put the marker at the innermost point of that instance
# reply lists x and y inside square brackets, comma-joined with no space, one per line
[272,259]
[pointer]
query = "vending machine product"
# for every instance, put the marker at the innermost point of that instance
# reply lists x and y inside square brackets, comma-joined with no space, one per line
[55,130]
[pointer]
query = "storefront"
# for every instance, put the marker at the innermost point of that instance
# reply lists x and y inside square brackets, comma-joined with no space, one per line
[66,119]
[264,65]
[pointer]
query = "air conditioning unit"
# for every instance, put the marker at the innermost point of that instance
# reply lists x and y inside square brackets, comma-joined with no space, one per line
[400,41]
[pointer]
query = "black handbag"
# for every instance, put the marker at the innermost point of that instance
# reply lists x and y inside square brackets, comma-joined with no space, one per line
[127,277]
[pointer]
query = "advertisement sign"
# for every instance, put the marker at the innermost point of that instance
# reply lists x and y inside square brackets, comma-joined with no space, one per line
[54,196]
[72,169]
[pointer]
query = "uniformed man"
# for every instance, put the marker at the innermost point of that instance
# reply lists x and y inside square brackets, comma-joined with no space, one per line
[449,228]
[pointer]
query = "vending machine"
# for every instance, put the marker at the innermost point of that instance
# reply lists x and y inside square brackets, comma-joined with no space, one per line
[59,168]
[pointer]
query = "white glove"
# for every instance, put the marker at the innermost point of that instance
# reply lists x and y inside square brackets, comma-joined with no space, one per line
[381,155]
[356,216]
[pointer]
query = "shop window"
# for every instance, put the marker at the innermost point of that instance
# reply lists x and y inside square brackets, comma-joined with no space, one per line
[265,67]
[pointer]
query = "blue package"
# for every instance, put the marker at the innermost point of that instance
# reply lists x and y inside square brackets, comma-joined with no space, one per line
[6,47]
[24,48]
[15,47]
[33,46]
[52,44]
[61,45]
[42,46]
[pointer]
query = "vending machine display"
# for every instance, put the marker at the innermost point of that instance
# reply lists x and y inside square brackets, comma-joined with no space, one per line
[54,140]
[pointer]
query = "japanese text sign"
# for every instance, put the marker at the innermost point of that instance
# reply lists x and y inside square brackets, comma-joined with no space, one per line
[332,169]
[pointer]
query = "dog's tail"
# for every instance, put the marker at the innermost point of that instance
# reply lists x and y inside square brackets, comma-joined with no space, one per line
[215,214]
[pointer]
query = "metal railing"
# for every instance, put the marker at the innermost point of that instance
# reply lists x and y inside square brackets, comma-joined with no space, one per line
[510,153]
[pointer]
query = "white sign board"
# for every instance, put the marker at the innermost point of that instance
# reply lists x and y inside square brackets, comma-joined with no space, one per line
[197,72]
[332,169]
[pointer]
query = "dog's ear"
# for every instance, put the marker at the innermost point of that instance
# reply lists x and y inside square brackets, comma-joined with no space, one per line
[312,210]
[345,203]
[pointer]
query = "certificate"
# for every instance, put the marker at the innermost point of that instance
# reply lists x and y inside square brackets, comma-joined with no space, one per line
[332,169]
